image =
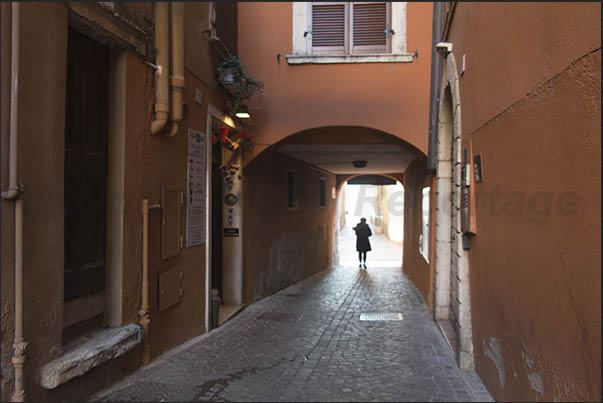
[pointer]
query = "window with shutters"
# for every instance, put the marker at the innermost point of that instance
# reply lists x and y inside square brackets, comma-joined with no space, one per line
[349,32]
[350,28]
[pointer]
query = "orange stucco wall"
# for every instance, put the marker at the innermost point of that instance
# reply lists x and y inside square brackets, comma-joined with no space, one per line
[285,245]
[392,97]
[414,265]
[531,104]
[150,161]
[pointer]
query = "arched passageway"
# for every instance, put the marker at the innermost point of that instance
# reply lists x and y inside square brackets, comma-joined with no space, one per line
[291,194]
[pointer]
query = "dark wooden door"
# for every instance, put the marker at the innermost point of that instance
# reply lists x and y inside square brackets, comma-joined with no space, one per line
[85,165]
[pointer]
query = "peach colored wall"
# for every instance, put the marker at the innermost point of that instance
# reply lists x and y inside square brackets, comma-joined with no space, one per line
[414,265]
[7,217]
[149,162]
[392,97]
[531,104]
[43,37]
[285,245]
[524,46]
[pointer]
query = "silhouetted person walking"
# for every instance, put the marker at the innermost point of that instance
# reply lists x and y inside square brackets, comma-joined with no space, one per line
[363,231]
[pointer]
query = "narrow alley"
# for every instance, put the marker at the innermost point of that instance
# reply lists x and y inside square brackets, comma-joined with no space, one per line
[308,342]
[300,201]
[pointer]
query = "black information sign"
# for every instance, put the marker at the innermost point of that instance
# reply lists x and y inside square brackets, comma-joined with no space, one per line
[231,232]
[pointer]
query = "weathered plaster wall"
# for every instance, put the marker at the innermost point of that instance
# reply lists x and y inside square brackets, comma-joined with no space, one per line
[149,162]
[532,108]
[524,46]
[7,217]
[414,265]
[392,97]
[41,126]
[285,245]
[199,58]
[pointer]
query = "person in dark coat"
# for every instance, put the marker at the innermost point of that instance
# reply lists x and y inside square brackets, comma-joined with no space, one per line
[363,232]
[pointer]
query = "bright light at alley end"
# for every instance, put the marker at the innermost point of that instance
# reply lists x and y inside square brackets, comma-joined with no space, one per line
[242,115]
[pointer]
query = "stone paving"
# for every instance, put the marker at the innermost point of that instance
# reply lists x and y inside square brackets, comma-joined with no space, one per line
[306,343]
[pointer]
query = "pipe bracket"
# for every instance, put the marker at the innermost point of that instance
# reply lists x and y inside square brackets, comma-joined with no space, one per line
[12,193]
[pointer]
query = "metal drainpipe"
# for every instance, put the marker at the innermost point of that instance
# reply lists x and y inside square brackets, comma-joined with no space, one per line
[162,106]
[439,14]
[177,78]
[143,313]
[13,193]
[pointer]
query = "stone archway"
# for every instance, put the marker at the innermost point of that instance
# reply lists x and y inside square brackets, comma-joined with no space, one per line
[452,293]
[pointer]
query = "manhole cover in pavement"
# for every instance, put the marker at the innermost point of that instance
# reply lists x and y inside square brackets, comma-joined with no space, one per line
[380,316]
[279,317]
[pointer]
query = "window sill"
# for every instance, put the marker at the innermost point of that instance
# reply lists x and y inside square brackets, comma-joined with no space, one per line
[87,352]
[335,59]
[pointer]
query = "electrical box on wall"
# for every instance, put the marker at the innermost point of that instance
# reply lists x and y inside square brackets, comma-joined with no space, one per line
[468,204]
[169,288]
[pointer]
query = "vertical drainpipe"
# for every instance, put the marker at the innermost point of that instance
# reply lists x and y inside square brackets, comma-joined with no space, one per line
[143,313]
[177,77]
[162,61]
[439,15]
[13,193]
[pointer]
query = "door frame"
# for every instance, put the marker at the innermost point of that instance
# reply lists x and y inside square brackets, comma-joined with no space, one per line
[212,112]
[451,260]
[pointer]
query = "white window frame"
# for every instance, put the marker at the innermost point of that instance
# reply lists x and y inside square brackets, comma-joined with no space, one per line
[302,45]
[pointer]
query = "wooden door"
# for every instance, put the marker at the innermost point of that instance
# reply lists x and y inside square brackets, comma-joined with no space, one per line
[85,165]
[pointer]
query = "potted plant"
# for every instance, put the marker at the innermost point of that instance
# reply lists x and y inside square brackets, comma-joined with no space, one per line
[231,74]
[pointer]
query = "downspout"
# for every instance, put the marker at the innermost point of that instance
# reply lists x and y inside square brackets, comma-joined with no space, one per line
[162,106]
[143,313]
[177,77]
[439,15]
[13,193]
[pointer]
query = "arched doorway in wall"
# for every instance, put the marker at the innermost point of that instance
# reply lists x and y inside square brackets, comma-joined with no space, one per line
[452,294]
[380,200]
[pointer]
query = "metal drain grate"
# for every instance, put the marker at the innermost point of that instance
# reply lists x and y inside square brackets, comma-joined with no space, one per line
[279,317]
[380,316]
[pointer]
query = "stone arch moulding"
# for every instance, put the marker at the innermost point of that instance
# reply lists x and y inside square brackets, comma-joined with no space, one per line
[452,293]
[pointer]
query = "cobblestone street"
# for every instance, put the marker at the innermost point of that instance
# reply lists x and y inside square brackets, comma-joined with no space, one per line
[306,343]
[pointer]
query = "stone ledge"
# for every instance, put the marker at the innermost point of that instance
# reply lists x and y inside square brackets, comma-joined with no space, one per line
[85,353]
[363,58]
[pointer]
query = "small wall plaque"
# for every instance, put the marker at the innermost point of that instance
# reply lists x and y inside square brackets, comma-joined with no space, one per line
[231,232]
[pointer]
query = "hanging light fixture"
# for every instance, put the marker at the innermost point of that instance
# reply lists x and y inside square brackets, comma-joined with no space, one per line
[242,112]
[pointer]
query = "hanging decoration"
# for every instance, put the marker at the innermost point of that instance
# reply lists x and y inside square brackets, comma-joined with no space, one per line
[235,141]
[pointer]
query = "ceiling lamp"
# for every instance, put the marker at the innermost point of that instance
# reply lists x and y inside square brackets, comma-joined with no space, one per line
[359,163]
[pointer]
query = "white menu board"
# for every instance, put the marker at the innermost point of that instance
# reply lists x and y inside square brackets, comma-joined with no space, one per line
[195,191]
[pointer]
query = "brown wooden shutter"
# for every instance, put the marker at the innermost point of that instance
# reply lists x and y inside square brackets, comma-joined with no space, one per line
[370,23]
[328,28]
